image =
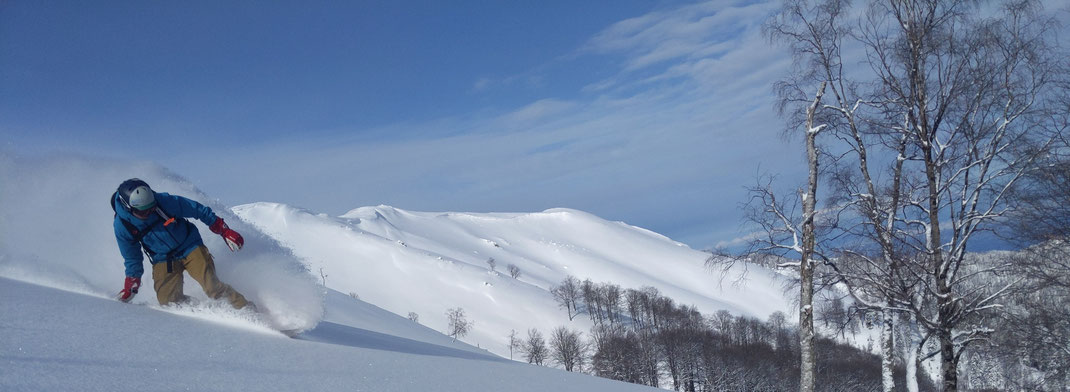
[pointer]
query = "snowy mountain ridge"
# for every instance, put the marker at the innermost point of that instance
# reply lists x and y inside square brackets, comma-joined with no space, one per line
[462,260]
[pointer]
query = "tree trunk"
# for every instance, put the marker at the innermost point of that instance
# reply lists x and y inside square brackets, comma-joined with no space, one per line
[808,358]
[912,362]
[944,298]
[948,362]
[806,326]
[887,350]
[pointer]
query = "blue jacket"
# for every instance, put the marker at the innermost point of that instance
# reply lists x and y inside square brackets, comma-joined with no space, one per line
[173,241]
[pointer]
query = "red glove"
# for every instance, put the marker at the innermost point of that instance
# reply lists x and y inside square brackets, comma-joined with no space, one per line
[231,237]
[129,289]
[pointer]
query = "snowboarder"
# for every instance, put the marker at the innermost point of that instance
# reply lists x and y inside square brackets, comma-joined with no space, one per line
[155,222]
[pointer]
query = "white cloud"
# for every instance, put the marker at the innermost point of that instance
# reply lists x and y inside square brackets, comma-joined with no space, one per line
[538,110]
[684,138]
[482,84]
[741,240]
[714,45]
[688,32]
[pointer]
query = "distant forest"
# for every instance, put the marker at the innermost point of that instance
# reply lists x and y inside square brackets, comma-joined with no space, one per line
[643,337]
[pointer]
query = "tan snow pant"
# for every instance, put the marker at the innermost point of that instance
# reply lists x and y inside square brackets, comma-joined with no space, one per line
[201,267]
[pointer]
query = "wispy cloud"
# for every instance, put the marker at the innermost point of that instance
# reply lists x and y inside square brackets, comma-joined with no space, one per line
[690,32]
[526,80]
[711,48]
[483,84]
[740,241]
[673,135]
[538,110]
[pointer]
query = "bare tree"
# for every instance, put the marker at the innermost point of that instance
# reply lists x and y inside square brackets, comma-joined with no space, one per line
[806,263]
[722,322]
[778,321]
[567,348]
[1038,320]
[514,271]
[597,302]
[492,264]
[1040,220]
[784,232]
[611,295]
[535,350]
[962,99]
[622,357]
[815,31]
[567,294]
[515,343]
[459,325]
[636,303]
[414,317]
[976,98]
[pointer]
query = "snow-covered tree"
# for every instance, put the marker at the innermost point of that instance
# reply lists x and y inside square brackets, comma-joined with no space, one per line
[954,104]
[786,233]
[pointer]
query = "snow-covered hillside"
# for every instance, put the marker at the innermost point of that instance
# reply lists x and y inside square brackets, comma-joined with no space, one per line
[60,268]
[426,263]
[54,340]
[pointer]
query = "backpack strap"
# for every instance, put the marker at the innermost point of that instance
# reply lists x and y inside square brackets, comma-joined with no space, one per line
[138,235]
[167,220]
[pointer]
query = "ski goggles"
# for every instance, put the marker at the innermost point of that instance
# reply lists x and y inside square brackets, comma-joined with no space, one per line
[143,212]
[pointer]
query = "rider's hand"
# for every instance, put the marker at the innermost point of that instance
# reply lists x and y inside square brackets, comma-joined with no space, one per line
[231,237]
[130,287]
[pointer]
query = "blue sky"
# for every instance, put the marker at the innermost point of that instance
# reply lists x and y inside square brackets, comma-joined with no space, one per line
[656,113]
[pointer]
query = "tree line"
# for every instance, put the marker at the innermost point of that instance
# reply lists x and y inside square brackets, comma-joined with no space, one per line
[641,336]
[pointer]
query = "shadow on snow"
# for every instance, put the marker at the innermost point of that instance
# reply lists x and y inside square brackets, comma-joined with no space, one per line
[333,333]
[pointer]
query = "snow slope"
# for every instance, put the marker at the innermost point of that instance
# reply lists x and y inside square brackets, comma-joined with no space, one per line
[426,263]
[61,329]
[54,340]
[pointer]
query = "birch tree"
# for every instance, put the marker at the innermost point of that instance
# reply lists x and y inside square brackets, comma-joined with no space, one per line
[816,33]
[976,95]
[1039,320]
[784,233]
[958,100]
